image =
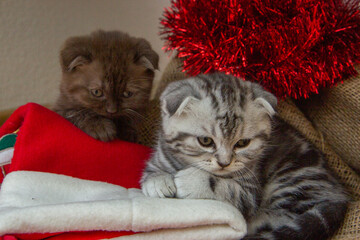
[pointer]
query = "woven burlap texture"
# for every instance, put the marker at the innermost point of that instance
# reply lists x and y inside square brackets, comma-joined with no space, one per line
[172,72]
[336,114]
[289,111]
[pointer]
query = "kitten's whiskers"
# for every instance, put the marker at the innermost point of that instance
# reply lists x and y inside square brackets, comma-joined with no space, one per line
[132,112]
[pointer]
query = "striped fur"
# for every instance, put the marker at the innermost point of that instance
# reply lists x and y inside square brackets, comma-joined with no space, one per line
[255,161]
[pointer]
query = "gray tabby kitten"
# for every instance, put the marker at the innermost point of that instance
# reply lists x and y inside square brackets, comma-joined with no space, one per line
[221,139]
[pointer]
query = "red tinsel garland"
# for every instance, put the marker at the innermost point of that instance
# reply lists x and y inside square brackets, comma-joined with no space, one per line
[292,47]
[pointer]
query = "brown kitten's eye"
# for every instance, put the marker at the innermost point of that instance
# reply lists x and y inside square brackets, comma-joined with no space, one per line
[205,141]
[242,143]
[127,94]
[97,92]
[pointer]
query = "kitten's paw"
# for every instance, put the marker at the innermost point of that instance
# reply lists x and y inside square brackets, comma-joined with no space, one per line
[193,183]
[162,186]
[100,128]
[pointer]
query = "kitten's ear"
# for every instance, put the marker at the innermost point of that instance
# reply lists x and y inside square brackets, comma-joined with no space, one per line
[78,61]
[146,56]
[174,107]
[265,99]
[143,61]
[75,52]
[178,97]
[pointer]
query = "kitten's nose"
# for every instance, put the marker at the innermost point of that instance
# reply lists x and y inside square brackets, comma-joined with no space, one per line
[223,164]
[223,157]
[111,108]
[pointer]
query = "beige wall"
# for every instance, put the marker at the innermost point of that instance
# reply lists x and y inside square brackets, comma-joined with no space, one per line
[32,31]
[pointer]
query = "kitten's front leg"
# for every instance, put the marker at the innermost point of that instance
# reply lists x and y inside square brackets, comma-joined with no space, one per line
[160,185]
[101,128]
[92,124]
[199,184]
[194,183]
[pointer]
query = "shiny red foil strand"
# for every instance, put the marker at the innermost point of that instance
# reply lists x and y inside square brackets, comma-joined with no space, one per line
[291,47]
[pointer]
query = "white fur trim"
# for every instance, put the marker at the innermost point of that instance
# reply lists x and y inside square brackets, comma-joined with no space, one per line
[35,202]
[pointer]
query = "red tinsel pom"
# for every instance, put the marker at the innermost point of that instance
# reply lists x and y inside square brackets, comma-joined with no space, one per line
[291,47]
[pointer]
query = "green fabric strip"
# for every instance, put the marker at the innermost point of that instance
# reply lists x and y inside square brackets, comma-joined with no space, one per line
[7,141]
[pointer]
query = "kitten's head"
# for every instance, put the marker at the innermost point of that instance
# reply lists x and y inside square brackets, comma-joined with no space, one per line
[108,72]
[216,122]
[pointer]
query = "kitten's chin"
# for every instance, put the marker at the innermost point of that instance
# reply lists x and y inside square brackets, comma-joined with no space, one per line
[224,173]
[111,116]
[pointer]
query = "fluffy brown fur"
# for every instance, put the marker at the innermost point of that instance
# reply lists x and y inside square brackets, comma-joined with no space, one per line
[106,83]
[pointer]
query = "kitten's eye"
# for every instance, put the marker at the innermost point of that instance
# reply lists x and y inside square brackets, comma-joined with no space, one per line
[127,94]
[97,92]
[242,143]
[205,141]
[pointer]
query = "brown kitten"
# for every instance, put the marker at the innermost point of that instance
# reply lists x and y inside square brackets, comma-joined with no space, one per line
[106,83]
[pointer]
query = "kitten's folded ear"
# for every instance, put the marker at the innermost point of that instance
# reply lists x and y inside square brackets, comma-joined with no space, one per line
[178,97]
[75,52]
[146,56]
[264,98]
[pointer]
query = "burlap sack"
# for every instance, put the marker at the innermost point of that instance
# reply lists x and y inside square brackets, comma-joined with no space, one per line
[294,116]
[172,72]
[336,114]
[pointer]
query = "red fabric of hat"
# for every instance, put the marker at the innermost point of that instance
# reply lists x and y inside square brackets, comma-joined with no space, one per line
[47,142]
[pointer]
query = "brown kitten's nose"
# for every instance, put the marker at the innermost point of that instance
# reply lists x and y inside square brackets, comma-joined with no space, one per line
[223,164]
[111,108]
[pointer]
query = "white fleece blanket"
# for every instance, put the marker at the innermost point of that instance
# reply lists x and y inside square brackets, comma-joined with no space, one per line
[37,202]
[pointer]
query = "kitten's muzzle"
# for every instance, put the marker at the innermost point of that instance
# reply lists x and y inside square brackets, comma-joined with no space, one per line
[111,108]
[224,159]
[223,164]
